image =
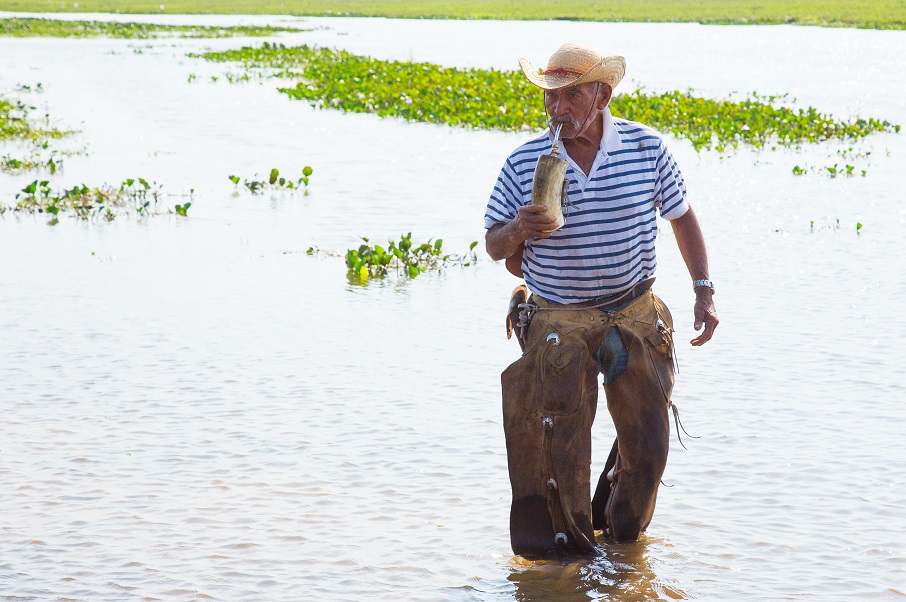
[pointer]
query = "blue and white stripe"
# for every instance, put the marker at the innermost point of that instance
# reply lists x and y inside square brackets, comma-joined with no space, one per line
[607,244]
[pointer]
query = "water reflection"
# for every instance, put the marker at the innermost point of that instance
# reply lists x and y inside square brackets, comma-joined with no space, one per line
[623,572]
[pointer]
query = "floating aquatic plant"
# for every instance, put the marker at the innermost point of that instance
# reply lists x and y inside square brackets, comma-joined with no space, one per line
[39,87]
[274,181]
[491,99]
[831,171]
[32,136]
[132,196]
[401,257]
[755,120]
[17,123]
[833,226]
[11,164]
[34,27]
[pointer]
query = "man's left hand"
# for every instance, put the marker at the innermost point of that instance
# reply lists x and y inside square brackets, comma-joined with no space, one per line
[705,315]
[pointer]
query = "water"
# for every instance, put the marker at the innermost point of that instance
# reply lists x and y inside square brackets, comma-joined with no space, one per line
[196,409]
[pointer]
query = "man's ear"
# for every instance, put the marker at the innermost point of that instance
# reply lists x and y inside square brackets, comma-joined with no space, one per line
[606,94]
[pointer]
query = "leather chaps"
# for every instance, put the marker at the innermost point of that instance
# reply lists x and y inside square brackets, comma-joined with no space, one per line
[549,403]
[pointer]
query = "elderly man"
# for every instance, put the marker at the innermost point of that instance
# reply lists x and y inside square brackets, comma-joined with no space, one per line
[590,310]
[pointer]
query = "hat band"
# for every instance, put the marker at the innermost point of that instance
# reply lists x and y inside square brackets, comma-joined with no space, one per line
[560,71]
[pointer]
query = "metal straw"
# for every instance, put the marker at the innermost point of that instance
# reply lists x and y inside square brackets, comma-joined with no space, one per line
[555,150]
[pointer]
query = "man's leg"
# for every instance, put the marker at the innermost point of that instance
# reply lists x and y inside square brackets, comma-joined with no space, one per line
[549,403]
[638,401]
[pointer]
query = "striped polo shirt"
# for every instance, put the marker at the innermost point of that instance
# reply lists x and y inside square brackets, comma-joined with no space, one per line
[607,244]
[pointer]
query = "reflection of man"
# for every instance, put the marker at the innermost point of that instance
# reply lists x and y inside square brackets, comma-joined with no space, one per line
[627,576]
[591,310]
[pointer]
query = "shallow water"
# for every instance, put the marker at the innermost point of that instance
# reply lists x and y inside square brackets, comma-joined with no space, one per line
[196,409]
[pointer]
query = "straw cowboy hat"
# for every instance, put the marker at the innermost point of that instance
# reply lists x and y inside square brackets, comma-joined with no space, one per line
[572,65]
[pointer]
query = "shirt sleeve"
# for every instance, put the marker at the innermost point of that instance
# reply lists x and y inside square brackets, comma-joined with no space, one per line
[506,198]
[670,188]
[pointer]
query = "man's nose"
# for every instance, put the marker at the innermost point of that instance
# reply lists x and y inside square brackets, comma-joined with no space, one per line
[559,108]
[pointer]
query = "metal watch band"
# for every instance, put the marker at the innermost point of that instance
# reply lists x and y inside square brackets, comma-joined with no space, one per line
[699,283]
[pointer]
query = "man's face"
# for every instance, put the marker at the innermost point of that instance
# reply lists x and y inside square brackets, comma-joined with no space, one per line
[576,107]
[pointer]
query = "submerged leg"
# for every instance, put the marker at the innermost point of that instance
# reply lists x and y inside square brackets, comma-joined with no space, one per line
[643,442]
[549,403]
[638,402]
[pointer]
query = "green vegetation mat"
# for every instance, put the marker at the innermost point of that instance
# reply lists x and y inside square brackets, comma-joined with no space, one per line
[505,100]
[28,138]
[133,197]
[880,14]
[402,257]
[29,28]
[17,125]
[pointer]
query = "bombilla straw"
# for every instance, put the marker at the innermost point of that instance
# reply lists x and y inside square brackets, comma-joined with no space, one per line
[555,150]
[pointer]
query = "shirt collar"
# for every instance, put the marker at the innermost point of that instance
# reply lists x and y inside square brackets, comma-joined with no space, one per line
[611,140]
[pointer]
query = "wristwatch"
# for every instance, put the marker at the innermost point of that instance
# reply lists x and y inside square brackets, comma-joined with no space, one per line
[699,283]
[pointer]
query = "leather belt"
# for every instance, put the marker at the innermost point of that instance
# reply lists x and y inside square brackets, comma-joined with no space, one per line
[606,302]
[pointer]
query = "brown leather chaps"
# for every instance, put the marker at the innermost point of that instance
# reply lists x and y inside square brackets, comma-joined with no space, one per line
[549,401]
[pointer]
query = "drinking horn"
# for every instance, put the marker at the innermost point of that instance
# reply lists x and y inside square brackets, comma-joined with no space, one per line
[549,186]
[549,183]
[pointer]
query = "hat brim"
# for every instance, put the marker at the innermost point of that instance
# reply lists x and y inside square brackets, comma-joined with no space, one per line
[608,70]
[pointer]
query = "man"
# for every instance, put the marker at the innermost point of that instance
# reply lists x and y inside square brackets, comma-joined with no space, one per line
[591,310]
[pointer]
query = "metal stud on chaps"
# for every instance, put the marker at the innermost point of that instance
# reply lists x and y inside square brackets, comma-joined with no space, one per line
[549,403]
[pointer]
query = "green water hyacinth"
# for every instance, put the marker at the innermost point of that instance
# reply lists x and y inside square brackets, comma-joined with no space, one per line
[275,181]
[32,137]
[755,121]
[505,100]
[402,257]
[16,124]
[10,164]
[31,27]
[134,196]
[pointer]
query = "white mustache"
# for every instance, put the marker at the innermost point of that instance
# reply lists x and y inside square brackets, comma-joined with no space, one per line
[565,120]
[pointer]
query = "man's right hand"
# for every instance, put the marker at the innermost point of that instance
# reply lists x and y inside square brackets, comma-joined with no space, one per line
[533,221]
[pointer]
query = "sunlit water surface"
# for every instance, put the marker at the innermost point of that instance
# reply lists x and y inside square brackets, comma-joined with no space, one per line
[196,409]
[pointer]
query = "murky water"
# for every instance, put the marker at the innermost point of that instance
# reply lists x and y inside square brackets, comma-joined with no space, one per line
[196,409]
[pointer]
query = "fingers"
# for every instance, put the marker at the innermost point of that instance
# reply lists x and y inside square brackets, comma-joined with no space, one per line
[535,222]
[699,316]
[705,315]
[705,336]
